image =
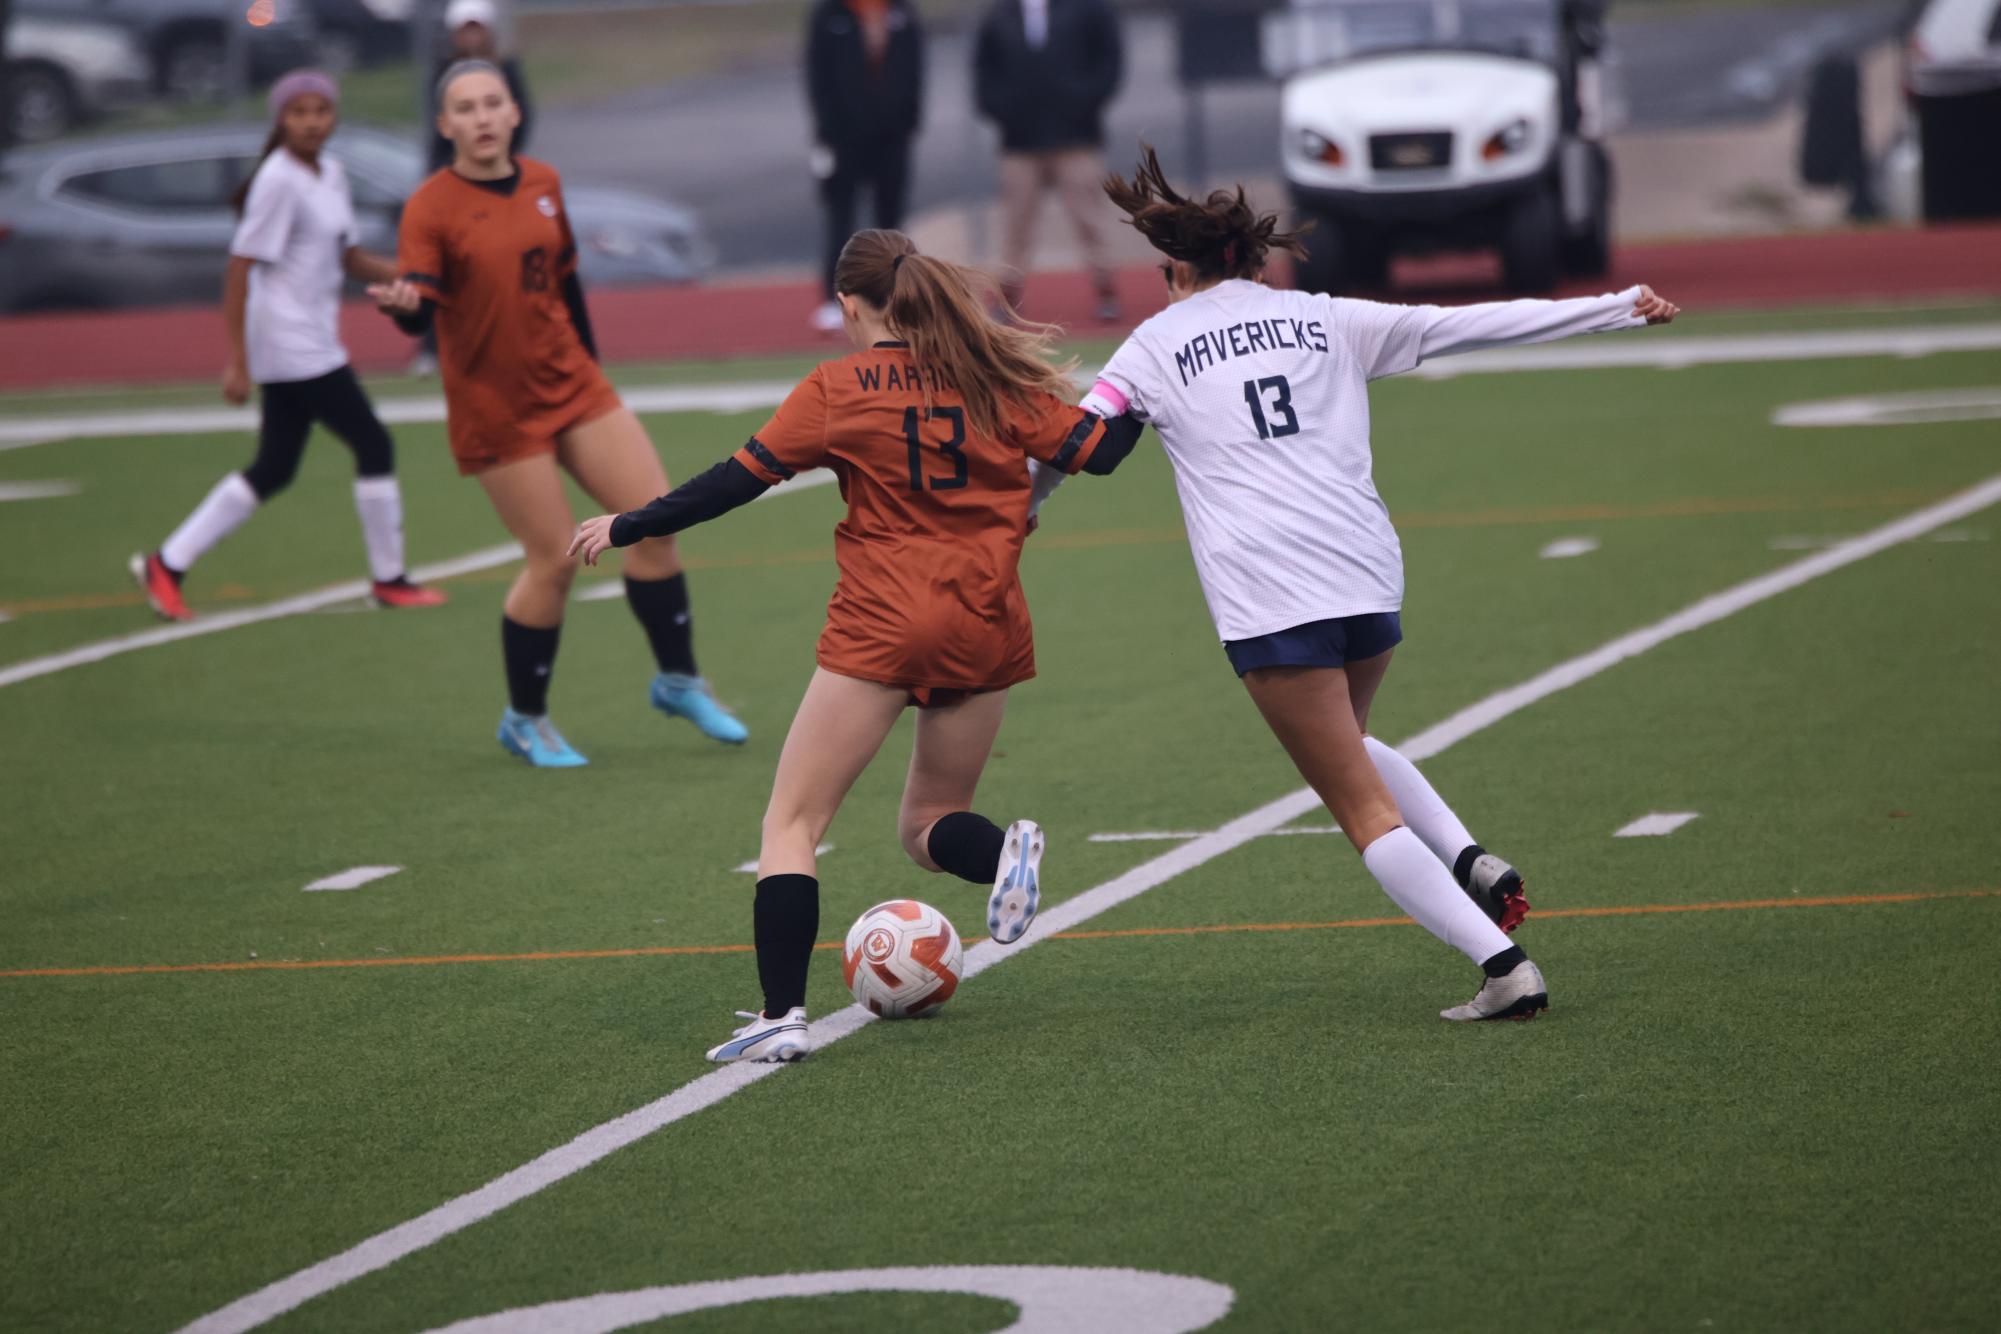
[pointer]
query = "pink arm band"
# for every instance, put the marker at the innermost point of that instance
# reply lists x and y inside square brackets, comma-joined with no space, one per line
[1108,394]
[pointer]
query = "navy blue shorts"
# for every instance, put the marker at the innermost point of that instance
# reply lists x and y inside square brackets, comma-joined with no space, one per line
[1334,643]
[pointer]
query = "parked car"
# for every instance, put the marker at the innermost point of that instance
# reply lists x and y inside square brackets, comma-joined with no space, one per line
[145,219]
[362,32]
[1413,125]
[62,72]
[190,43]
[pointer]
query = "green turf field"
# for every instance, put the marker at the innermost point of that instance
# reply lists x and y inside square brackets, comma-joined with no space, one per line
[1777,1117]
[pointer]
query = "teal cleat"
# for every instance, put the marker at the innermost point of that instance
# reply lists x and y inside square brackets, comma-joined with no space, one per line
[688,697]
[536,740]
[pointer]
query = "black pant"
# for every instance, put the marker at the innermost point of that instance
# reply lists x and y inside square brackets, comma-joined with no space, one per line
[885,166]
[336,401]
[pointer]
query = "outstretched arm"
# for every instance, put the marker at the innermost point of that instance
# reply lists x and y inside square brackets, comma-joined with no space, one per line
[1452,330]
[697,500]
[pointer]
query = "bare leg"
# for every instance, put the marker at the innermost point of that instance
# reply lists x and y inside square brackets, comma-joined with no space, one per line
[528,496]
[616,465]
[953,744]
[836,732]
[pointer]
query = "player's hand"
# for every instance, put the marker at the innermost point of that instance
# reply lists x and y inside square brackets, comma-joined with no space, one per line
[396,298]
[1655,309]
[236,383]
[593,538]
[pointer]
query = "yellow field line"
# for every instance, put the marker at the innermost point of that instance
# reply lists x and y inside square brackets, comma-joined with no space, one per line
[649,951]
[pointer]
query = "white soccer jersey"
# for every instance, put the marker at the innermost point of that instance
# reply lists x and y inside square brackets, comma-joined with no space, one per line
[298,225]
[1261,399]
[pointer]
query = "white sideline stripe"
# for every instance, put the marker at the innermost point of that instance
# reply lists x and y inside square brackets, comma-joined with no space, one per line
[354,877]
[566,1160]
[1667,353]
[230,620]
[37,490]
[1183,835]
[1655,824]
[317,600]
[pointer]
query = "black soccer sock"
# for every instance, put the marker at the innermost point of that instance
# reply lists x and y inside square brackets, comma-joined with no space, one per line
[1505,962]
[785,921]
[530,655]
[662,608]
[1462,868]
[967,845]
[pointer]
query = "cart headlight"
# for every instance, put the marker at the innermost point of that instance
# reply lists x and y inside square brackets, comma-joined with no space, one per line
[1319,148]
[1506,142]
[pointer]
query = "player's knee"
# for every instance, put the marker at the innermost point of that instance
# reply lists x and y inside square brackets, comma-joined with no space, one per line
[554,572]
[267,477]
[914,829]
[654,558]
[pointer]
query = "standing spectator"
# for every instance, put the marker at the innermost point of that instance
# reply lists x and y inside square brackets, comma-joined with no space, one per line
[472,32]
[1043,72]
[865,81]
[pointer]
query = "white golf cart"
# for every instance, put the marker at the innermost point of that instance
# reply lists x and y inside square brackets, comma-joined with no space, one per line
[1418,125]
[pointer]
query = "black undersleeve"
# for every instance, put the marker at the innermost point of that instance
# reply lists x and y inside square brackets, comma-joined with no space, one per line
[697,500]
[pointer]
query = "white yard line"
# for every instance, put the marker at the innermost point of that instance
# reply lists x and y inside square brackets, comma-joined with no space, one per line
[566,1160]
[37,490]
[318,600]
[1183,835]
[1668,353]
[1931,405]
[1655,824]
[1565,548]
[354,877]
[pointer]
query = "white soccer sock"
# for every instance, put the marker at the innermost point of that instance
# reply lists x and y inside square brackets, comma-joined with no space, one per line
[1424,811]
[228,503]
[1424,889]
[379,502]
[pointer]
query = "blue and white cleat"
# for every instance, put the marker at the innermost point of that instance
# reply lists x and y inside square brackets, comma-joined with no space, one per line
[1018,884]
[535,739]
[762,1039]
[688,697]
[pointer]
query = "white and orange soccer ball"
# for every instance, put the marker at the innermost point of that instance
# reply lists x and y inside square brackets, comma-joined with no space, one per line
[902,959]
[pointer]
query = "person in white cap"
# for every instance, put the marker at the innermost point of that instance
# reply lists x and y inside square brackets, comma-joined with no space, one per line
[281,306]
[472,32]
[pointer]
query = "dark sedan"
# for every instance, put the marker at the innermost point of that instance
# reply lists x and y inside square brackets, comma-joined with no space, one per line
[145,219]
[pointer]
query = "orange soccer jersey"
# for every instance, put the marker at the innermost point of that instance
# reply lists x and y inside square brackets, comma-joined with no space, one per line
[929,597]
[493,256]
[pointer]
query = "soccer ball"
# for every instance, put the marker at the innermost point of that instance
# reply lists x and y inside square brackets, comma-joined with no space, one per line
[902,959]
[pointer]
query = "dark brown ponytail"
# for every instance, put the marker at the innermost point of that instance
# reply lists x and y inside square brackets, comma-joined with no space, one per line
[241,196]
[1222,236]
[941,308]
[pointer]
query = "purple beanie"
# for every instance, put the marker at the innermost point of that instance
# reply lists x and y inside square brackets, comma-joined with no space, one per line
[300,82]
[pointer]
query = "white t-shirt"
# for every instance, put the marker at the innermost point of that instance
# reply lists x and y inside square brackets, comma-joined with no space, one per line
[1261,399]
[297,224]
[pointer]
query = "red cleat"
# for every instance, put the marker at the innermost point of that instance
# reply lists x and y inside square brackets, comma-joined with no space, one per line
[161,587]
[400,592]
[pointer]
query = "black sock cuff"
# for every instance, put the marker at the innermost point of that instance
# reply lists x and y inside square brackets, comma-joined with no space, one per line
[1505,962]
[968,845]
[670,594]
[661,606]
[1462,869]
[788,886]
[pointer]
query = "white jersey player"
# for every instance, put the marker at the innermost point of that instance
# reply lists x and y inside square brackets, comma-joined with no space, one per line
[1261,400]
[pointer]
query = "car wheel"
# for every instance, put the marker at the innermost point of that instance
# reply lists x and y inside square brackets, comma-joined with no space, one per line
[1529,243]
[195,68]
[40,104]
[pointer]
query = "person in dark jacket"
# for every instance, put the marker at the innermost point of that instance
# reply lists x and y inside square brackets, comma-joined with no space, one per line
[472,29]
[865,84]
[1043,73]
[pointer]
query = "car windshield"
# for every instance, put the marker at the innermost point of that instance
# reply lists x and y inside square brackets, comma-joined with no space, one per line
[1338,29]
[392,163]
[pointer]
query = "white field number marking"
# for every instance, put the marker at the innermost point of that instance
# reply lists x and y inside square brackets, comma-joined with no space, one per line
[1655,825]
[1566,547]
[599,1142]
[1053,1300]
[354,877]
[37,490]
[750,867]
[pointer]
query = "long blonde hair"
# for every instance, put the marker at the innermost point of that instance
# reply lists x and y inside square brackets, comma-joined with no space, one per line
[941,308]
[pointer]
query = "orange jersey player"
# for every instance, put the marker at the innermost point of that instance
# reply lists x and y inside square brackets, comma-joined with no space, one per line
[929,428]
[485,251]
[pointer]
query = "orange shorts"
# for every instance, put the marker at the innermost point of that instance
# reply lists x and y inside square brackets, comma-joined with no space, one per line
[487,439]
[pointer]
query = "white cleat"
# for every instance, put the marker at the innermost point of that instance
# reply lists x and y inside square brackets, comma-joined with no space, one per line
[1518,994]
[1018,883]
[782,1039]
